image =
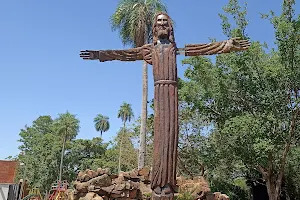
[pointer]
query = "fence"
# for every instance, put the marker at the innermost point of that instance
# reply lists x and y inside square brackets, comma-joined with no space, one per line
[9,191]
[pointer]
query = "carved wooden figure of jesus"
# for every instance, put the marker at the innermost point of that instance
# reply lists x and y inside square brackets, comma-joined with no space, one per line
[161,54]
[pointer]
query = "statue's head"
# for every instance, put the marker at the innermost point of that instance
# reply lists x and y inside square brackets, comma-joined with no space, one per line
[162,28]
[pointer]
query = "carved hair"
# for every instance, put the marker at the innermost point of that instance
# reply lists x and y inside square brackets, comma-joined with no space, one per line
[155,29]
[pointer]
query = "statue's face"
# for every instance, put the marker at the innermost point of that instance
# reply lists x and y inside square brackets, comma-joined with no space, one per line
[162,27]
[162,20]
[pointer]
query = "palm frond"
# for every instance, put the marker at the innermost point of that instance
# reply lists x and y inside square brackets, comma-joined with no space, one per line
[101,123]
[125,112]
[133,19]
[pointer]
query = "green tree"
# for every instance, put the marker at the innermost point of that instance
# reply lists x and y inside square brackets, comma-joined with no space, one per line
[129,158]
[68,128]
[198,155]
[126,114]
[251,99]
[42,145]
[287,31]
[292,176]
[129,152]
[134,19]
[101,123]
[84,154]
[112,156]
[136,126]
[193,144]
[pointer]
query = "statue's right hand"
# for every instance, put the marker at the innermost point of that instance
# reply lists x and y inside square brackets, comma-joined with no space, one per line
[89,55]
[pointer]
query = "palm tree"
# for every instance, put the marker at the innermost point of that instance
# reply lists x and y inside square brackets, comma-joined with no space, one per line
[68,128]
[134,19]
[101,123]
[125,113]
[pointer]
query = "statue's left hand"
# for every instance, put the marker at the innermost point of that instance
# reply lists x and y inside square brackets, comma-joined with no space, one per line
[238,44]
[89,55]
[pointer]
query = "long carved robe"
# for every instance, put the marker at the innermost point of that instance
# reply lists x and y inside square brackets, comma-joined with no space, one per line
[163,59]
[165,116]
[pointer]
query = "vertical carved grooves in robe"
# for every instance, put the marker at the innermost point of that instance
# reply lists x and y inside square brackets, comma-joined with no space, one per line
[166,110]
[166,116]
[157,141]
[174,119]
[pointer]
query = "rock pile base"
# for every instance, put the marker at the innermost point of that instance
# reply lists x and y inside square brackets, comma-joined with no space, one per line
[101,184]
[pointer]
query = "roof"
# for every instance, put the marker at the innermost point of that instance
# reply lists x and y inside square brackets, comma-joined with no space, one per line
[8,171]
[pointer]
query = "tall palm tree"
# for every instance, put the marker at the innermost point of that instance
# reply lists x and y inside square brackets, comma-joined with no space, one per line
[101,123]
[134,19]
[68,128]
[125,113]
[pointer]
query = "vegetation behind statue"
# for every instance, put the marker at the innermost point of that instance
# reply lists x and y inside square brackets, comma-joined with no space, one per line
[250,100]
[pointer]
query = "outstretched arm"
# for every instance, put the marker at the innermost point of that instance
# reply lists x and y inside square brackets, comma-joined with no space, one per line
[227,46]
[109,55]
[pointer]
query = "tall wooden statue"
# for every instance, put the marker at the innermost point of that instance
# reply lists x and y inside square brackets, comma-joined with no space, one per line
[161,54]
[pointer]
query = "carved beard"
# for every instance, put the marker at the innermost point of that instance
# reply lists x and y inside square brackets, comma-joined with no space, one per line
[163,32]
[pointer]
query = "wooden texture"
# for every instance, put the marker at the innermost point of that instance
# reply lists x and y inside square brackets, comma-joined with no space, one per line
[161,54]
[141,53]
[166,116]
[226,46]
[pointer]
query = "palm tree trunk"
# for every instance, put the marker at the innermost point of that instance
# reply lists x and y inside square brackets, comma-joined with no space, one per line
[62,156]
[143,130]
[120,147]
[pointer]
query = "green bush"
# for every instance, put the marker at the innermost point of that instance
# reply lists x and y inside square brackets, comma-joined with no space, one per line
[184,196]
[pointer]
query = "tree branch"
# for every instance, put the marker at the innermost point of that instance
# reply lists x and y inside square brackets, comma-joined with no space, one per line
[214,111]
[286,150]
[184,168]
[263,171]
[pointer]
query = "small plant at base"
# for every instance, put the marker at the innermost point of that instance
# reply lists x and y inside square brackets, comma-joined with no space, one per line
[184,196]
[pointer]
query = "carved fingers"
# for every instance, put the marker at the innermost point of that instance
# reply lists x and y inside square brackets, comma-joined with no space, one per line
[89,55]
[240,44]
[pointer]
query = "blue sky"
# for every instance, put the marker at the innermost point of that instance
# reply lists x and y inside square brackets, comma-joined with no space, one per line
[41,72]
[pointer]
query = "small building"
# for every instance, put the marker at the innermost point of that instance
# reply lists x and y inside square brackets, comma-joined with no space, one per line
[9,189]
[8,171]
